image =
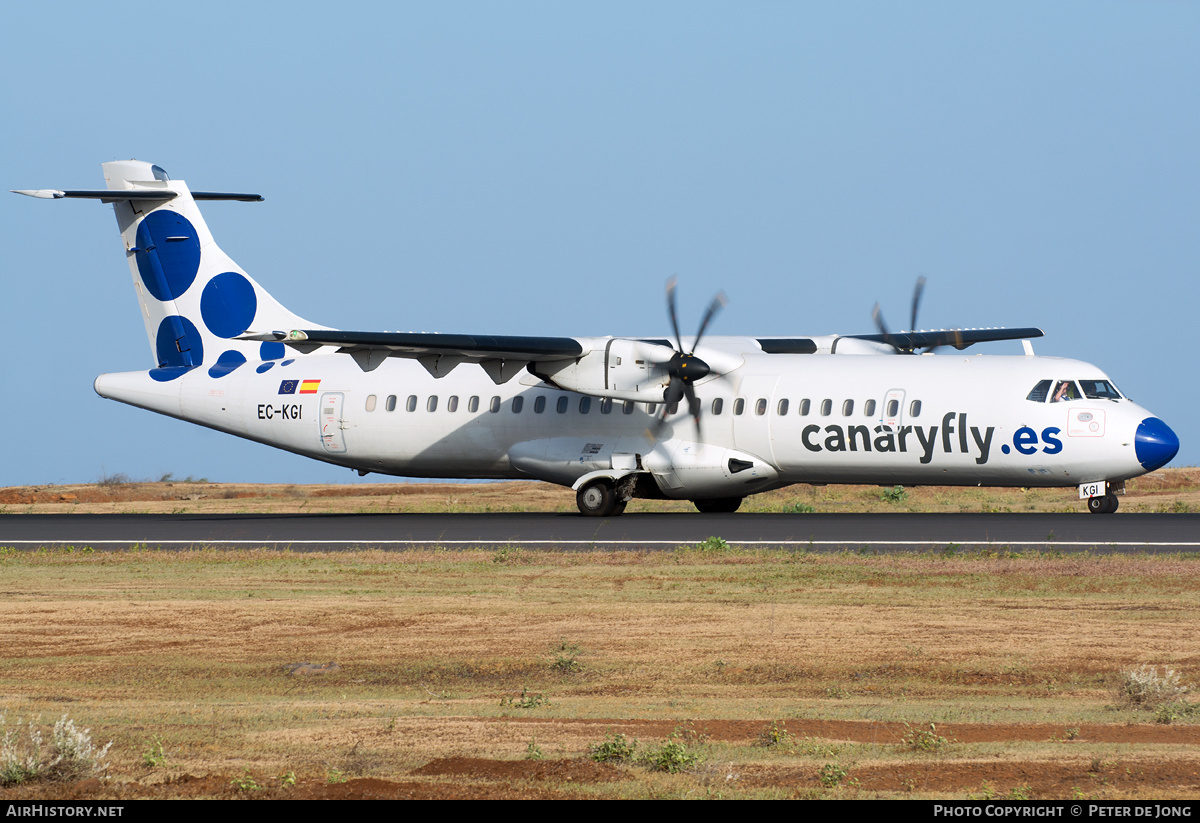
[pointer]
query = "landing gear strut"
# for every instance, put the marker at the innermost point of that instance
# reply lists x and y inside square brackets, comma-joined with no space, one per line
[599,499]
[1103,504]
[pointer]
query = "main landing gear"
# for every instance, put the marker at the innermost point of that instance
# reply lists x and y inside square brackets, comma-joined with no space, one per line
[1103,504]
[602,498]
[599,499]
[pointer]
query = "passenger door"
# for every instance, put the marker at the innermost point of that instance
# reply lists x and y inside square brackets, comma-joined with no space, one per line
[333,425]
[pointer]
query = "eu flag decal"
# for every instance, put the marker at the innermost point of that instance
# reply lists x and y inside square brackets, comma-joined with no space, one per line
[288,386]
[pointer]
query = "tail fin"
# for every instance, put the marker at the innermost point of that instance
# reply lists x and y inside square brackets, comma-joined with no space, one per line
[194,299]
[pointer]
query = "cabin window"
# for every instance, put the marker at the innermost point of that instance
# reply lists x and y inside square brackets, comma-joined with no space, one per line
[914,408]
[411,403]
[826,408]
[606,405]
[585,405]
[650,407]
[674,408]
[627,408]
[494,406]
[1065,390]
[561,405]
[869,408]
[452,403]
[717,405]
[390,405]
[473,404]
[1099,390]
[893,408]
[739,406]
[760,407]
[431,403]
[805,407]
[1039,392]
[370,402]
[781,410]
[847,408]
[539,404]
[517,403]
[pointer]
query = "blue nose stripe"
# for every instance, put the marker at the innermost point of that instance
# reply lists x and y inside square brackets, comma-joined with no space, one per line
[1155,444]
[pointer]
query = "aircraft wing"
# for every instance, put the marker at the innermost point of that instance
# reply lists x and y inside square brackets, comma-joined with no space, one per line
[958,338]
[501,356]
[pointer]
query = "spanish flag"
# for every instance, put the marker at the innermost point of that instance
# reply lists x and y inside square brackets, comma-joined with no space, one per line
[309,386]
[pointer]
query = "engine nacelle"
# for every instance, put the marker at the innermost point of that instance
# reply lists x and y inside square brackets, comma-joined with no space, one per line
[696,471]
[621,368]
[682,469]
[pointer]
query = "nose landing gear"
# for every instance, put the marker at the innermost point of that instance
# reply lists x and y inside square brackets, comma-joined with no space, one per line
[1104,504]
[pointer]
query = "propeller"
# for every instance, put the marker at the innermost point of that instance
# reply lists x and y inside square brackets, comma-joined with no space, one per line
[684,369]
[877,316]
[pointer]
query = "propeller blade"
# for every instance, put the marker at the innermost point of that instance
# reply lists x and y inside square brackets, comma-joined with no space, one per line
[671,312]
[877,316]
[684,368]
[673,393]
[693,405]
[917,292]
[716,305]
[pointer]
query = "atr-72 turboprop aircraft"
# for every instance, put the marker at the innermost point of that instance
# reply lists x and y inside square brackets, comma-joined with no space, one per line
[601,414]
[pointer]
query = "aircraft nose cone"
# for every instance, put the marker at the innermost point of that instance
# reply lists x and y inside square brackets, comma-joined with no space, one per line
[1155,444]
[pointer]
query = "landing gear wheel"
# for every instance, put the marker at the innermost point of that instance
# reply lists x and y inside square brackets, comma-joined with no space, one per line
[1106,504]
[599,499]
[718,505]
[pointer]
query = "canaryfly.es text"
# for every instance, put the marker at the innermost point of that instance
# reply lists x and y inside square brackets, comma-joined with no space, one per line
[955,435]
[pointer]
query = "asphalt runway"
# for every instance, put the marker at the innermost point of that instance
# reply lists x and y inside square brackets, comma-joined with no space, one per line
[812,532]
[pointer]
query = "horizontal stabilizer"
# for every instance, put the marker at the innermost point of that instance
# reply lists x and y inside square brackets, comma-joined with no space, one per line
[113,196]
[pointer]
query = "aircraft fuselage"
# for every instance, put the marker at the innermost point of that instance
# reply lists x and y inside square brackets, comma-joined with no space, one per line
[911,420]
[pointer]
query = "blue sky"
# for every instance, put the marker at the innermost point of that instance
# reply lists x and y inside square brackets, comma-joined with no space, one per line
[542,168]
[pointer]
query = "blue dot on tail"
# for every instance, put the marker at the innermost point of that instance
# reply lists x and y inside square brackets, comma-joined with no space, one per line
[228,304]
[265,367]
[177,343]
[271,351]
[227,362]
[167,254]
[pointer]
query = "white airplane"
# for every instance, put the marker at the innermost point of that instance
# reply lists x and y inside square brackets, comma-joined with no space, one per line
[601,414]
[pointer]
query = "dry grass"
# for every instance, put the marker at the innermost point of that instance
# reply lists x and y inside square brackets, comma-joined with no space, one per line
[1167,490]
[1006,655]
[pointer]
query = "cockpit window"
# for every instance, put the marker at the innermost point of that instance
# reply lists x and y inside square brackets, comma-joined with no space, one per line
[1065,390]
[1099,390]
[1038,395]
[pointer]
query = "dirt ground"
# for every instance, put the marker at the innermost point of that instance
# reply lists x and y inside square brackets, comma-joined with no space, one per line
[482,778]
[1167,490]
[786,675]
